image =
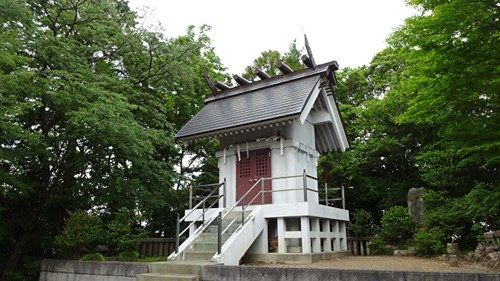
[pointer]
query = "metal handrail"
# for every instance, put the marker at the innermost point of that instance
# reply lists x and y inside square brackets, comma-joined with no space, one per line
[200,186]
[223,215]
[202,201]
[179,233]
[262,191]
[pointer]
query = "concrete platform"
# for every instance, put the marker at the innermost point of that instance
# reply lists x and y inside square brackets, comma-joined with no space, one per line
[293,257]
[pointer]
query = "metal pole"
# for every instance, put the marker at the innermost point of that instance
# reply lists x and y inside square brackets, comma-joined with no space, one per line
[190,197]
[343,197]
[178,226]
[326,194]
[224,198]
[262,190]
[203,213]
[304,180]
[219,233]
[242,215]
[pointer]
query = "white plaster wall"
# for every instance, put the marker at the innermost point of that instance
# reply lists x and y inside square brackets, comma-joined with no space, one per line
[227,171]
[292,159]
[300,157]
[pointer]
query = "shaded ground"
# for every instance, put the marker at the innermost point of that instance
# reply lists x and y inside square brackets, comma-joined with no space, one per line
[392,263]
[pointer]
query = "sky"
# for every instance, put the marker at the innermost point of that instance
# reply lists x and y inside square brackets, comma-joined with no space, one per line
[348,31]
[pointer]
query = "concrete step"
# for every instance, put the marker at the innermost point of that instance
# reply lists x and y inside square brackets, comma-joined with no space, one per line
[166,277]
[199,255]
[212,237]
[205,246]
[234,214]
[175,267]
[214,228]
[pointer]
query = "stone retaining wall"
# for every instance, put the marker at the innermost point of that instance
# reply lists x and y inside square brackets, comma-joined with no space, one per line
[258,273]
[58,270]
[61,270]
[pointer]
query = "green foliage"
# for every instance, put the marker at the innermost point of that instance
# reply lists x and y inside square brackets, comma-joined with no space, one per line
[128,255]
[124,233]
[93,257]
[430,242]
[362,224]
[483,206]
[455,217]
[30,270]
[268,61]
[90,103]
[424,113]
[444,46]
[379,247]
[81,230]
[152,259]
[397,226]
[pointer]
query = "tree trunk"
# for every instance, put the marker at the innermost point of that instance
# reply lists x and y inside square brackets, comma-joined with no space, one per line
[16,254]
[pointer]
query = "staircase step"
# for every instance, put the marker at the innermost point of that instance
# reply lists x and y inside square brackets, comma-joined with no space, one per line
[214,228]
[205,246]
[199,255]
[212,237]
[166,277]
[175,267]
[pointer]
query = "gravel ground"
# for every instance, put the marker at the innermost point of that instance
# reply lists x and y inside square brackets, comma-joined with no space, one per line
[396,263]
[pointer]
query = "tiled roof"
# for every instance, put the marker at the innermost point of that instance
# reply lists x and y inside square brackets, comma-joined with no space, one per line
[279,98]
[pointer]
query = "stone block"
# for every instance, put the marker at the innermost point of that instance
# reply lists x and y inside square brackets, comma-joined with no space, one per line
[489,235]
[371,275]
[488,277]
[312,274]
[453,248]
[250,273]
[220,273]
[439,276]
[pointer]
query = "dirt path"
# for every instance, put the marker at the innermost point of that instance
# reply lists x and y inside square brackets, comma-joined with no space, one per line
[396,263]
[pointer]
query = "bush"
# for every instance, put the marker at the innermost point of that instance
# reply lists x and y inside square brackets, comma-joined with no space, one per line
[128,256]
[379,247]
[80,230]
[397,226]
[93,257]
[124,232]
[362,224]
[430,242]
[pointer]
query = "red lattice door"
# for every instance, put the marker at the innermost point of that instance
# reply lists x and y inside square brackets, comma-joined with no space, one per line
[248,171]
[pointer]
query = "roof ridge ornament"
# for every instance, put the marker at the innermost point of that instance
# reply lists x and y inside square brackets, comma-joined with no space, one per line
[311,63]
[210,82]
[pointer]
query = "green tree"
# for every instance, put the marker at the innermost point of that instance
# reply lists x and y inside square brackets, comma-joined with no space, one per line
[268,61]
[453,83]
[123,232]
[81,231]
[89,107]
[380,167]
[362,224]
[397,226]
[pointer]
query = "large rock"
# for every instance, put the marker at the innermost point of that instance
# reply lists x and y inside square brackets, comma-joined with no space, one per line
[416,204]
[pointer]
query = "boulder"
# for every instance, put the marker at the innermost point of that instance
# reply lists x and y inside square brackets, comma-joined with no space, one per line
[416,204]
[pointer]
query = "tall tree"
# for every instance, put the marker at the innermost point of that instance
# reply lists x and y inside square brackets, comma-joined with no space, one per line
[89,107]
[452,48]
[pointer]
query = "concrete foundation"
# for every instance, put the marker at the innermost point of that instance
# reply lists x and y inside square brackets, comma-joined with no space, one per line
[293,258]
[57,270]
[62,270]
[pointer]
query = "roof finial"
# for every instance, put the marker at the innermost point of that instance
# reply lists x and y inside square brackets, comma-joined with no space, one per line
[209,80]
[309,52]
